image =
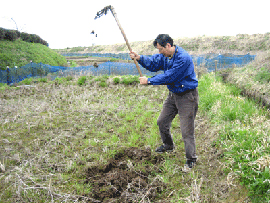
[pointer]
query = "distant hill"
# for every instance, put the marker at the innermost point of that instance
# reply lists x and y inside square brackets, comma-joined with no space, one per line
[240,44]
[19,53]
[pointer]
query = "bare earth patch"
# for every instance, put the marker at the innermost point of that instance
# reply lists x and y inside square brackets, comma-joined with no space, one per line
[119,181]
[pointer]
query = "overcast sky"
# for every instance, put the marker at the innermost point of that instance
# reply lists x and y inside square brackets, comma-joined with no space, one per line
[65,23]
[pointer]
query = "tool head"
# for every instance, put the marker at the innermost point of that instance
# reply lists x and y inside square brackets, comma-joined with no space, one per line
[103,11]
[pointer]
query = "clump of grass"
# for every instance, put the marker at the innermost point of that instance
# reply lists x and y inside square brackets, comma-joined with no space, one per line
[44,80]
[81,81]
[116,80]
[73,64]
[60,80]
[26,81]
[263,76]
[129,80]
[3,86]
[103,84]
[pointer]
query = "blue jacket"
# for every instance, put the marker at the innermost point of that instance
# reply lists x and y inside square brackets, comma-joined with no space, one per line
[179,74]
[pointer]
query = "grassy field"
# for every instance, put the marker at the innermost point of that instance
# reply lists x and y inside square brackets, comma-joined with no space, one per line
[19,53]
[92,139]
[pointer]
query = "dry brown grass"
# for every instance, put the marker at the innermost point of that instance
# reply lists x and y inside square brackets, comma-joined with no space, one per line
[240,44]
[51,134]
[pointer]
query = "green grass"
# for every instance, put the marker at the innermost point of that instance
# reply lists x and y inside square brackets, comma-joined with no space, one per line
[244,127]
[54,133]
[20,53]
[263,76]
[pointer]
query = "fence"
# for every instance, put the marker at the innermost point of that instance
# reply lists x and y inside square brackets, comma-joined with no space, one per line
[210,61]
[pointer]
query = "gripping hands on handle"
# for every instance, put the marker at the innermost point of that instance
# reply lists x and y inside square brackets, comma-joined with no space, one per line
[133,56]
[143,80]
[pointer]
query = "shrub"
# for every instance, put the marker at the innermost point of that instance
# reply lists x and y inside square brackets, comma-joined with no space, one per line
[116,80]
[81,80]
[25,37]
[32,38]
[2,33]
[60,80]
[11,35]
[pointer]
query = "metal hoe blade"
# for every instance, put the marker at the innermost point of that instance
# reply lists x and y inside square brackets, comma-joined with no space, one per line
[103,11]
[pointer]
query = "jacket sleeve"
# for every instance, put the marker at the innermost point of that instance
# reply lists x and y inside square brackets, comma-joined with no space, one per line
[175,74]
[153,63]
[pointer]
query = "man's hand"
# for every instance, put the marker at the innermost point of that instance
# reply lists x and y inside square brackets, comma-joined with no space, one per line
[134,55]
[143,80]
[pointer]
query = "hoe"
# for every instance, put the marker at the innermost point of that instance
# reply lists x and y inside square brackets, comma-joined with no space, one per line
[104,11]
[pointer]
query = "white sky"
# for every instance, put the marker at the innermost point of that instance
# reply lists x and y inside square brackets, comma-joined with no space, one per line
[65,23]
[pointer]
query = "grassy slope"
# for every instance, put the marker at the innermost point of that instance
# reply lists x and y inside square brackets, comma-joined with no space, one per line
[21,53]
[253,79]
[70,127]
[240,44]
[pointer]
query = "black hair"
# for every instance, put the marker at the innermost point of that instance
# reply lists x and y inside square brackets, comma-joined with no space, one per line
[163,39]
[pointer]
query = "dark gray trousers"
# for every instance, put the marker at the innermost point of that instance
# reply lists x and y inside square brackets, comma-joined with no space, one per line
[186,105]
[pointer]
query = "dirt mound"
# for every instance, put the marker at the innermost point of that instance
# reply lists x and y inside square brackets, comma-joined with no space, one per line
[126,177]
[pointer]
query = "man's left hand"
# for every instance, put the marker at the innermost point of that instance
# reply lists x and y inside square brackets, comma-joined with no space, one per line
[143,80]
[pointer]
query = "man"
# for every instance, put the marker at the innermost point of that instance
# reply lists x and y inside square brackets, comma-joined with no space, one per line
[180,78]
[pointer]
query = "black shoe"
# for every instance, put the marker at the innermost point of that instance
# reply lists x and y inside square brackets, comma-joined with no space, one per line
[191,163]
[165,148]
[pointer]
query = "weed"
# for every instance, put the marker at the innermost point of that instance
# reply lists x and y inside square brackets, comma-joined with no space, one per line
[26,81]
[81,81]
[103,84]
[116,80]
[129,80]
[60,80]
[42,80]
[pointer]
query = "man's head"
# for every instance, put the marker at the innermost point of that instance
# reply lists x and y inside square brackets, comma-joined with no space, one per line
[164,43]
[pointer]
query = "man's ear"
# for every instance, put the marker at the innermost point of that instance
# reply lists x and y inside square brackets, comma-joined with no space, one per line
[168,45]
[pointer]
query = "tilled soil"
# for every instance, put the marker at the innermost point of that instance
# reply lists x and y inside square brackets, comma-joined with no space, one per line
[120,181]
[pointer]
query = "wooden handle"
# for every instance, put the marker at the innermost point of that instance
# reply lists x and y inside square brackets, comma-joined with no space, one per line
[125,37]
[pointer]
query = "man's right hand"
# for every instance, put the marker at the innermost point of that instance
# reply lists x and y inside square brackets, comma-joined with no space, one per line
[134,55]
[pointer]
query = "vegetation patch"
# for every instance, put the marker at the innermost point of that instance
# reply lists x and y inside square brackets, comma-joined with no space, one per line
[19,53]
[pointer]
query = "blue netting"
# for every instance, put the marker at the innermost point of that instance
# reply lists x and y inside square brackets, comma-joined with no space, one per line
[223,61]
[209,61]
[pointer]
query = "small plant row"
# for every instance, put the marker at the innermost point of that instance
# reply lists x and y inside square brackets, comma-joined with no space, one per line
[83,80]
[12,35]
[127,80]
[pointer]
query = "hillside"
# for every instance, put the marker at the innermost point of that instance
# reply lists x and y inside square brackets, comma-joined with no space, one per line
[240,44]
[19,53]
[253,79]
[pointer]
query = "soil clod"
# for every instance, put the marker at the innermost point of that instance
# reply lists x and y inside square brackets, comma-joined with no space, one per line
[126,177]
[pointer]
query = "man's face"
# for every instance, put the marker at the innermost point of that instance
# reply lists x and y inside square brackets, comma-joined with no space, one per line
[163,50]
